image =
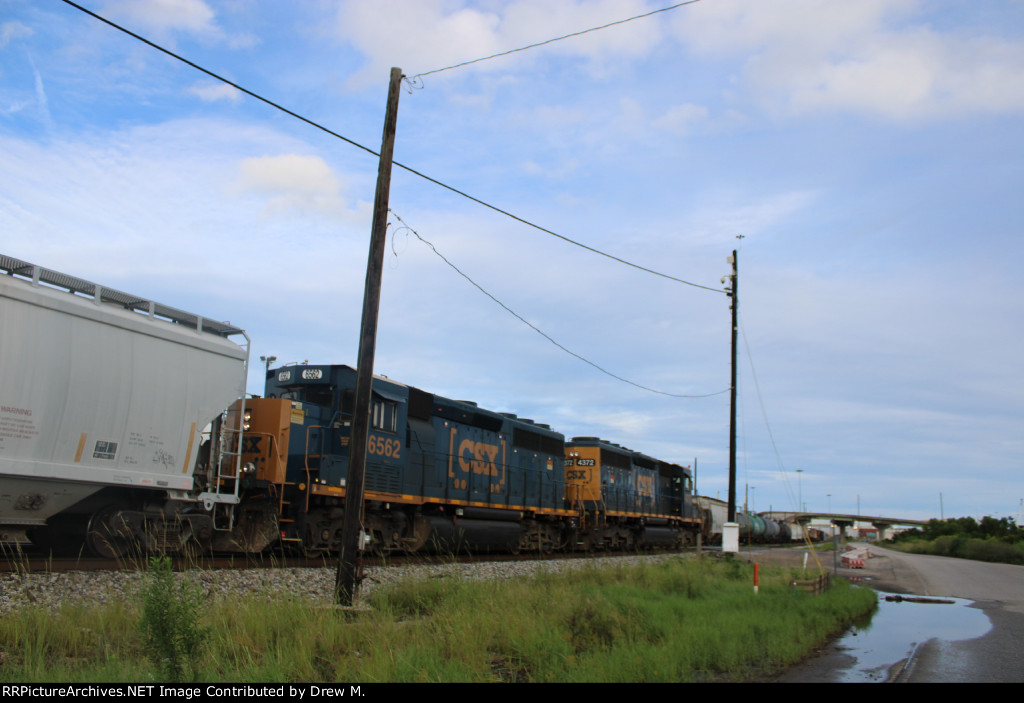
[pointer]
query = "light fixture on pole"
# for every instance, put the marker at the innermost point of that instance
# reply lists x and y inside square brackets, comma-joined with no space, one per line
[268,360]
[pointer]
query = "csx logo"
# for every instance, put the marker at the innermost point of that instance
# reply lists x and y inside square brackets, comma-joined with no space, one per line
[478,457]
[576,475]
[645,486]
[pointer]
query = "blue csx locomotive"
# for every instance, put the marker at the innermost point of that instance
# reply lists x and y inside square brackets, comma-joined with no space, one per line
[442,474]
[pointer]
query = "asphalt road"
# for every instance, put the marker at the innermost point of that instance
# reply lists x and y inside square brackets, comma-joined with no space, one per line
[930,650]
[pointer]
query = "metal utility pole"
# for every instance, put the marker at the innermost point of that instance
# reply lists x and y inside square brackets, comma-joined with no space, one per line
[800,489]
[734,294]
[348,560]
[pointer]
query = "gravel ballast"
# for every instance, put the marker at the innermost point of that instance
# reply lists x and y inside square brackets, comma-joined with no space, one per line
[52,590]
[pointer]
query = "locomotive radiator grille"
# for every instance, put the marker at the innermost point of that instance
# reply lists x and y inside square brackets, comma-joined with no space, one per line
[384,479]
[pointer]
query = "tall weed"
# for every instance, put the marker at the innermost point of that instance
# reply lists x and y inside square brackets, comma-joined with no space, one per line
[171,622]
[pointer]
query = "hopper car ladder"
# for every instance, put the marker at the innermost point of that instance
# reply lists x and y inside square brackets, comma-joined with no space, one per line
[224,471]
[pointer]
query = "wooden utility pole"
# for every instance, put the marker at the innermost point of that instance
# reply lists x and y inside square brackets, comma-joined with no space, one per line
[348,560]
[734,294]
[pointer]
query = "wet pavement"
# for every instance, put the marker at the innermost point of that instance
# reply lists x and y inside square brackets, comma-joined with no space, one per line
[881,647]
[980,640]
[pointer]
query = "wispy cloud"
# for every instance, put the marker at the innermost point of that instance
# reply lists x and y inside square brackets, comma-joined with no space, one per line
[212,92]
[880,58]
[10,31]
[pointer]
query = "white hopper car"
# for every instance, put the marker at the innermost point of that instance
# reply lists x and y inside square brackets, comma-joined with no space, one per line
[104,399]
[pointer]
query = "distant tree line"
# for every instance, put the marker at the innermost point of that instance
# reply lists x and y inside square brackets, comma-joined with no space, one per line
[991,539]
[999,528]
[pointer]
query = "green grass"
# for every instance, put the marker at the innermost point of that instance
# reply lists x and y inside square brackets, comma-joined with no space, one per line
[679,620]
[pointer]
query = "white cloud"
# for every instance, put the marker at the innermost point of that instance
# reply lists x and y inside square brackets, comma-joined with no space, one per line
[162,19]
[211,92]
[536,21]
[559,170]
[165,15]
[432,34]
[293,181]
[877,57]
[681,119]
[804,26]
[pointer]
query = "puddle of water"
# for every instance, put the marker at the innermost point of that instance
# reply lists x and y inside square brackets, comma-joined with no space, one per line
[894,631]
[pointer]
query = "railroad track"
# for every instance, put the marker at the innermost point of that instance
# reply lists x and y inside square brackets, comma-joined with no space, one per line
[20,558]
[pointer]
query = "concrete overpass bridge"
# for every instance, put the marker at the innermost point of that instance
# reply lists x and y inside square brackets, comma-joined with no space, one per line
[844,521]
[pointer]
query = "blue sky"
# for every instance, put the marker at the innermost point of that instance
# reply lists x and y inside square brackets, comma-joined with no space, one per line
[870,153]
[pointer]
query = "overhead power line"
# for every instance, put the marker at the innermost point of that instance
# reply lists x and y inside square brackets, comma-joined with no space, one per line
[559,236]
[768,427]
[535,328]
[368,150]
[551,41]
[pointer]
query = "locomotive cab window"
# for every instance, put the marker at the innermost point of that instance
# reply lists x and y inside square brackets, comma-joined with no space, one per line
[317,396]
[385,415]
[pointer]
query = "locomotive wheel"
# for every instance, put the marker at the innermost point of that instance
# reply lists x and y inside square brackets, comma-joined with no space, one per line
[309,548]
[418,535]
[313,553]
[104,536]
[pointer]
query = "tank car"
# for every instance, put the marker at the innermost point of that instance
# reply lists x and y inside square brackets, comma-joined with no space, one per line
[753,528]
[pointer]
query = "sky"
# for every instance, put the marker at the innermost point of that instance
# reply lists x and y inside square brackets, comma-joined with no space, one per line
[865,159]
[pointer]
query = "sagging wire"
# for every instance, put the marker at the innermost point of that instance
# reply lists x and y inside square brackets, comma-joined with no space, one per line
[406,228]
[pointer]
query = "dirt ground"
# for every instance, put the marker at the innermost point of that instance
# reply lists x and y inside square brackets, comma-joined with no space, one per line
[785,556]
[877,573]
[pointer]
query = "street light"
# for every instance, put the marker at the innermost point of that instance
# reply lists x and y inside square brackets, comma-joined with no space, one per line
[268,360]
[800,487]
